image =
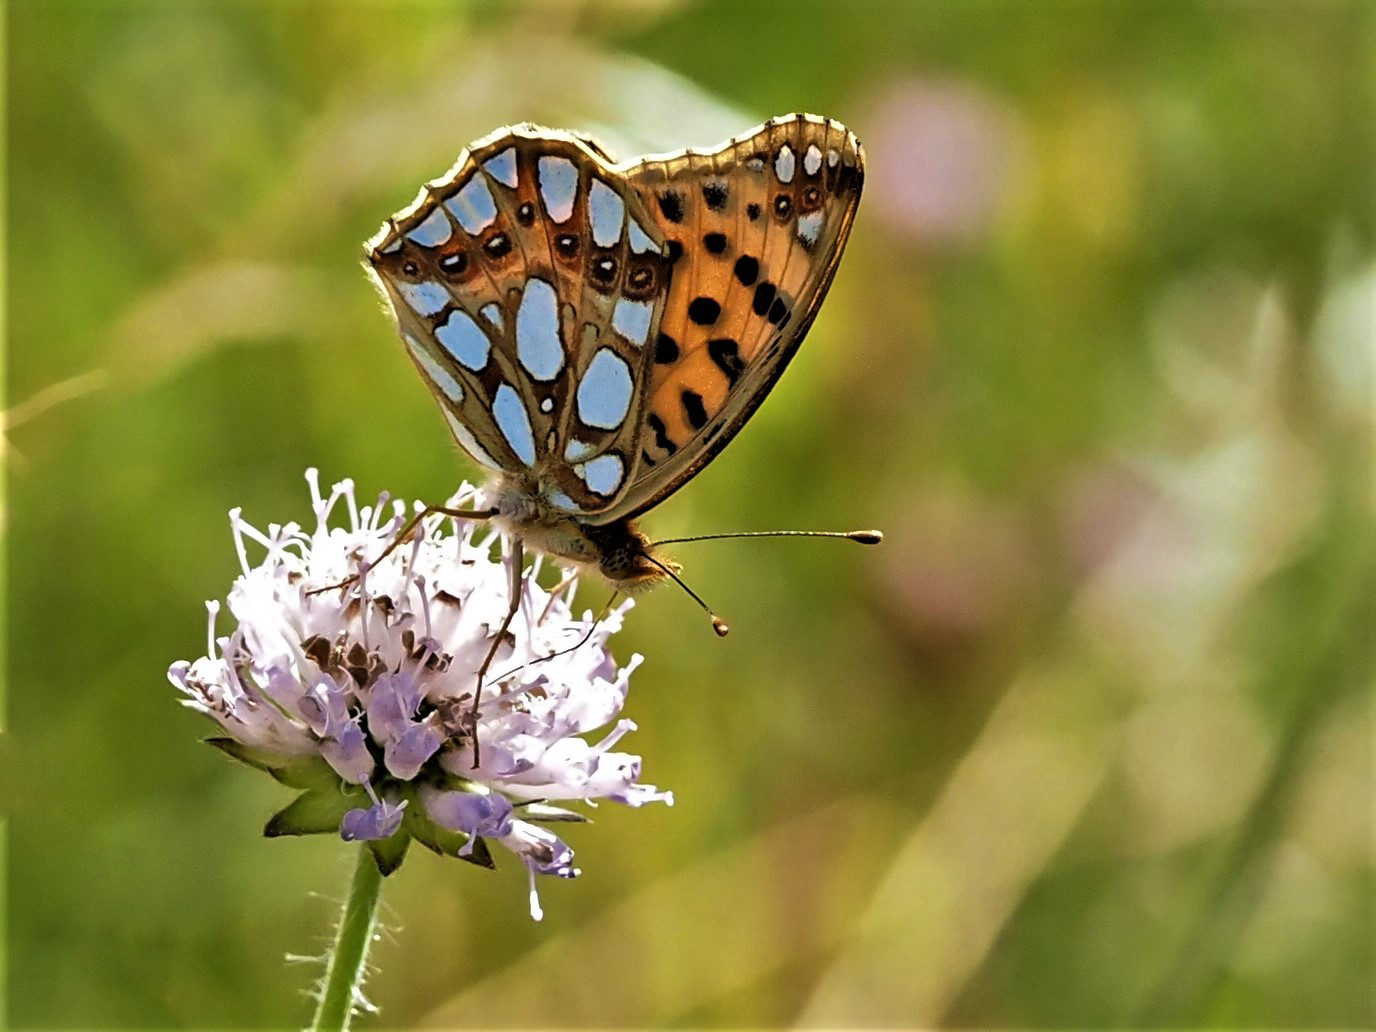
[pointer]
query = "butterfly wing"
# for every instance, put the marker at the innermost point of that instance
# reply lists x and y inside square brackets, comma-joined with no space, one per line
[755,232]
[526,285]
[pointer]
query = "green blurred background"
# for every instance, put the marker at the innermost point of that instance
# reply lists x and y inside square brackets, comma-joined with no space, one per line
[1087,743]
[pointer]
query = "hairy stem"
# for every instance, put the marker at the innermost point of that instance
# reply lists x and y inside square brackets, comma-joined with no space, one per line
[349,955]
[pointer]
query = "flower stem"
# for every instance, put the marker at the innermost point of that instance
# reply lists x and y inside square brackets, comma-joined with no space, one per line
[349,955]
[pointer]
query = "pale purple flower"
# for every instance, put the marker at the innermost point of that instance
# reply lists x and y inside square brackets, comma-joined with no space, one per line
[362,697]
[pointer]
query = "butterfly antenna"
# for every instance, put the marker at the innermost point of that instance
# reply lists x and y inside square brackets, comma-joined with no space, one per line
[718,624]
[864,537]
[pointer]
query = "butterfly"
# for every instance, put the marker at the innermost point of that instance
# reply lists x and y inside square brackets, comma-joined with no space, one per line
[596,332]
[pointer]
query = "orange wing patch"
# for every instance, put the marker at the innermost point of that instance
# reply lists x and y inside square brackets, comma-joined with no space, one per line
[756,228]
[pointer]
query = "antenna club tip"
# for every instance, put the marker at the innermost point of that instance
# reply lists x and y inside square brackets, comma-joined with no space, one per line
[867,537]
[720,626]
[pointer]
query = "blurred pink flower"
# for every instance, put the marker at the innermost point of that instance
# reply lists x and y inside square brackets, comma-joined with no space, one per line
[943,156]
[961,565]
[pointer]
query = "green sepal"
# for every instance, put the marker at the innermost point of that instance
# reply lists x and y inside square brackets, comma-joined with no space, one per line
[480,856]
[388,853]
[305,772]
[315,812]
[543,813]
[447,843]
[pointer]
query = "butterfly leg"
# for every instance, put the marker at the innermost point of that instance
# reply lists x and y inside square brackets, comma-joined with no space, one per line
[555,592]
[405,533]
[517,577]
[587,635]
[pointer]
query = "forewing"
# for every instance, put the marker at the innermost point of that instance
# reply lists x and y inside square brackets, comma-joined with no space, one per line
[526,285]
[755,231]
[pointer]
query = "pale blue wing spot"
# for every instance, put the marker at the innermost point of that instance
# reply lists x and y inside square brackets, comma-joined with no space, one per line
[434,372]
[425,298]
[809,226]
[473,206]
[468,442]
[538,344]
[640,240]
[606,211]
[559,500]
[604,394]
[502,168]
[576,450]
[492,312]
[602,474]
[509,412]
[464,339]
[631,319]
[391,248]
[784,163]
[435,230]
[558,186]
[812,160]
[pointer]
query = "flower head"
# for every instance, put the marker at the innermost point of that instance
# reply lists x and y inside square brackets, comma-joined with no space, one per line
[362,696]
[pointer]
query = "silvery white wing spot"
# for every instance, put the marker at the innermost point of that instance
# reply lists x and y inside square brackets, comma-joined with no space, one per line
[597,332]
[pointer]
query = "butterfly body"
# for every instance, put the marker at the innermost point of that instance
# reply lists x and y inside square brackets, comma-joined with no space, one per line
[595,333]
[618,552]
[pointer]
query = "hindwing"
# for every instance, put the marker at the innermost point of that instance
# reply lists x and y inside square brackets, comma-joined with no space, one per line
[526,284]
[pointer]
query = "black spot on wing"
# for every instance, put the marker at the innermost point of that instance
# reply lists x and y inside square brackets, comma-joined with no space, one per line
[497,246]
[602,270]
[666,350]
[764,297]
[694,409]
[566,245]
[715,194]
[714,242]
[726,353]
[747,270]
[661,432]
[671,204]
[704,311]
